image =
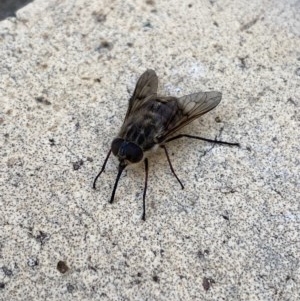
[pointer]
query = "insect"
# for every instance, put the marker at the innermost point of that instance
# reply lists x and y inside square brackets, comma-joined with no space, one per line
[151,122]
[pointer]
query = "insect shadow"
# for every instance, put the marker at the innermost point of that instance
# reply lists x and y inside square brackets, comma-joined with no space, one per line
[151,122]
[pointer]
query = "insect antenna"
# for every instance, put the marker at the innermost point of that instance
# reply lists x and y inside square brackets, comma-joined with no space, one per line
[102,169]
[121,168]
[145,189]
[171,167]
[203,139]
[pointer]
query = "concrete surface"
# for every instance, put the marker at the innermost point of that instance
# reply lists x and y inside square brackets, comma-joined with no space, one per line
[67,71]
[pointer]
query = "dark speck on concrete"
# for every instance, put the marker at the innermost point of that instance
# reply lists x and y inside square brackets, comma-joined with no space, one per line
[2,285]
[78,164]
[42,237]
[62,267]
[249,24]
[150,2]
[52,141]
[202,254]
[207,283]
[99,16]
[32,262]
[70,288]
[104,45]
[147,25]
[243,62]
[43,100]
[77,125]
[225,217]
[290,100]
[218,119]
[155,278]
[8,272]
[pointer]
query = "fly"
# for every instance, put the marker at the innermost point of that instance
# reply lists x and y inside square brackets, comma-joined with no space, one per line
[152,121]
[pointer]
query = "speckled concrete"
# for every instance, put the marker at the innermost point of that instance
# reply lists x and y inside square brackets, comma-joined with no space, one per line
[67,71]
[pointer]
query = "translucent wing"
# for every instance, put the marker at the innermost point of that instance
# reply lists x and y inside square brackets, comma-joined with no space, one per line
[146,86]
[192,107]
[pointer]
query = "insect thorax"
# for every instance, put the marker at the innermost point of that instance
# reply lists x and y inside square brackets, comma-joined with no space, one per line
[149,122]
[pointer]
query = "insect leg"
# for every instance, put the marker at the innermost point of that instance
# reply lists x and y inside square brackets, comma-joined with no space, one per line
[102,169]
[204,139]
[121,168]
[170,164]
[145,189]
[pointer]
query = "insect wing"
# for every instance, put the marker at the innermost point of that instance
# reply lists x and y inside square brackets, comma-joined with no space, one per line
[192,107]
[146,86]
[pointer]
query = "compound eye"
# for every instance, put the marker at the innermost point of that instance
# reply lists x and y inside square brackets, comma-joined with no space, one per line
[134,153]
[116,145]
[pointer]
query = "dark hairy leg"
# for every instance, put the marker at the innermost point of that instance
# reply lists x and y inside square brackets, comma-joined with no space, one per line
[102,169]
[171,167]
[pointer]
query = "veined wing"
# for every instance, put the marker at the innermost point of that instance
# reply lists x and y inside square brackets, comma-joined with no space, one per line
[192,107]
[146,86]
